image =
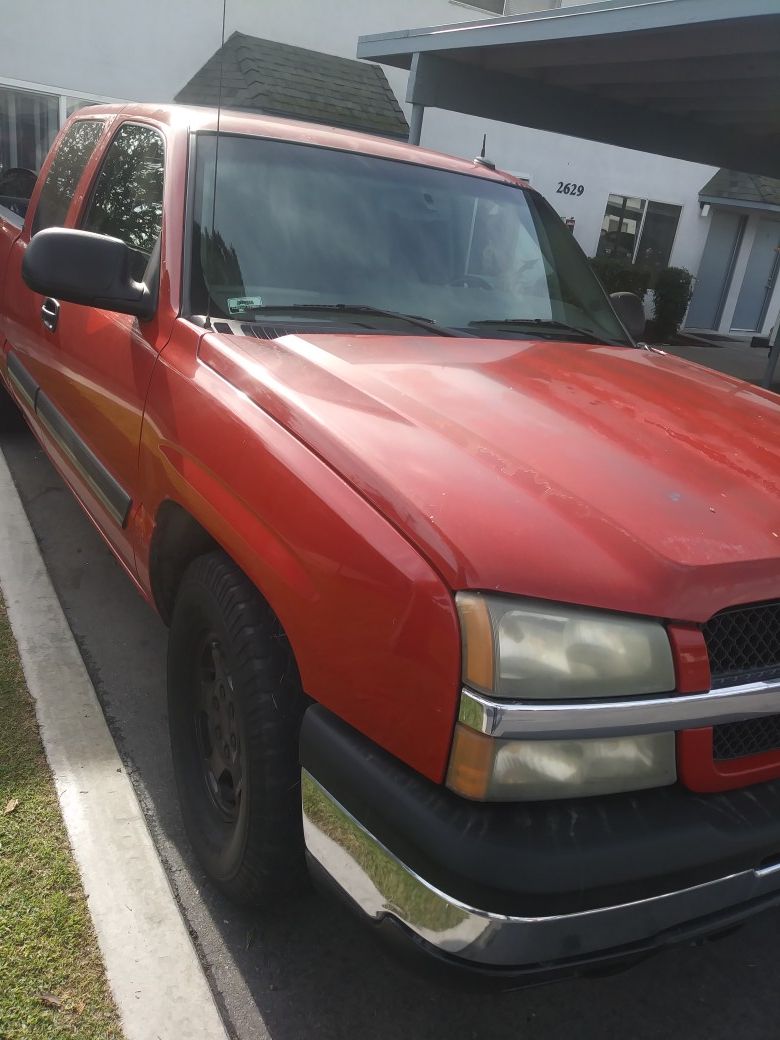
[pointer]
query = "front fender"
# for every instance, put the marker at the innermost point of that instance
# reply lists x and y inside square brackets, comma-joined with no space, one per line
[372,626]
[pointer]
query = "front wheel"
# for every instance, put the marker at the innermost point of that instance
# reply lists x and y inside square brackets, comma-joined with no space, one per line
[235,706]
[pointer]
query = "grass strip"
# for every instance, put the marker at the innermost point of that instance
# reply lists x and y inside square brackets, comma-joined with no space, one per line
[52,980]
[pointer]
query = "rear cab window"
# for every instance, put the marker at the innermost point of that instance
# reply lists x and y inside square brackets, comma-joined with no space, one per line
[16,187]
[127,199]
[73,153]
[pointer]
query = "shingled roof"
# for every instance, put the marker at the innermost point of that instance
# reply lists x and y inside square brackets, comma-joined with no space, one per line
[732,187]
[278,79]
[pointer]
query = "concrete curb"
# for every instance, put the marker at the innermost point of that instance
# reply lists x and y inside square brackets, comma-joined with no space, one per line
[151,964]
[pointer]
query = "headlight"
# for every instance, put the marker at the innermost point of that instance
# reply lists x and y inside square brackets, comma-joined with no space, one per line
[532,651]
[487,769]
[528,650]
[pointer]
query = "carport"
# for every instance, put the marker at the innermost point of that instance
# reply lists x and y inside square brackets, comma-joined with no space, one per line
[691,79]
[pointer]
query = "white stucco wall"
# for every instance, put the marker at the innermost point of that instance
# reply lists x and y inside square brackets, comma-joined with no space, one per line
[148,50]
[550,159]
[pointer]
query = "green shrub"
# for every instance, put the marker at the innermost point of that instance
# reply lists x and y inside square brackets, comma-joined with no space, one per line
[621,275]
[671,296]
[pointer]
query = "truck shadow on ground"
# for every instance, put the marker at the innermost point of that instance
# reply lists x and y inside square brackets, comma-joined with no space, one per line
[308,967]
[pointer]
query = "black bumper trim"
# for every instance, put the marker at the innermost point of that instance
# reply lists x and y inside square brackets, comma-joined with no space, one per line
[541,859]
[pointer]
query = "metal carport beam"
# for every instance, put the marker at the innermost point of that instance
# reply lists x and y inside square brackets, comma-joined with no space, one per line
[564,71]
[439,82]
[690,79]
[595,25]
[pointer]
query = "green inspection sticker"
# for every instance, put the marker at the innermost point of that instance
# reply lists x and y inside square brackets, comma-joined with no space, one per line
[243,304]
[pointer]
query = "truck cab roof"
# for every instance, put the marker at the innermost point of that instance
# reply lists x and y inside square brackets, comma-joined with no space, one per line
[209,120]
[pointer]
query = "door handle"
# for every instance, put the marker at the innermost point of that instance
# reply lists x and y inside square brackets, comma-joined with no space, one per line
[50,313]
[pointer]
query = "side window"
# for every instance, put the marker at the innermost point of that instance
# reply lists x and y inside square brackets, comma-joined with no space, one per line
[72,156]
[127,200]
[16,187]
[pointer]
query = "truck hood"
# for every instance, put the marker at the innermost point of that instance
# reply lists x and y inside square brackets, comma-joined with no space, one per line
[614,477]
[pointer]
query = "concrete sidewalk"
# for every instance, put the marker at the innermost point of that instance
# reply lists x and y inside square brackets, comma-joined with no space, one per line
[735,359]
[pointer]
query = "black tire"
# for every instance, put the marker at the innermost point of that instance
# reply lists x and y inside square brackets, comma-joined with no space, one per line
[232,679]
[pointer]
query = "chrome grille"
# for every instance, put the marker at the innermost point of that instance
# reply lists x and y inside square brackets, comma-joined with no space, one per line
[743,644]
[740,739]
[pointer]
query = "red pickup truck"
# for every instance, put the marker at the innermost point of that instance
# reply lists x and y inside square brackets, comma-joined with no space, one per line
[474,601]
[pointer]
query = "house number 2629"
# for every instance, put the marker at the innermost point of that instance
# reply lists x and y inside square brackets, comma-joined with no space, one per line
[569,189]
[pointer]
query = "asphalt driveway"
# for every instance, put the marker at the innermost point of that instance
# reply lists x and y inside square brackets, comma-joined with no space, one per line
[309,970]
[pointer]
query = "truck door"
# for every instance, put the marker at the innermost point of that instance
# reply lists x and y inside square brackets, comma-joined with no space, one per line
[20,316]
[92,366]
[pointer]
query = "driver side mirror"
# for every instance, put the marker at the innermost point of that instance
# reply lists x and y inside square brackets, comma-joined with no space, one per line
[631,311]
[81,267]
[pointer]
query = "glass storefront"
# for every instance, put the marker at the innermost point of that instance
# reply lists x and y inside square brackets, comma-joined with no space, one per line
[29,121]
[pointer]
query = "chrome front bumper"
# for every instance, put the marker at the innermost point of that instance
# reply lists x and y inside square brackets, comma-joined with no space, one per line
[550,720]
[384,887]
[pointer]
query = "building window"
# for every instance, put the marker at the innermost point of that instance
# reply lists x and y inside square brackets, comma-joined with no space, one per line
[28,125]
[29,122]
[639,231]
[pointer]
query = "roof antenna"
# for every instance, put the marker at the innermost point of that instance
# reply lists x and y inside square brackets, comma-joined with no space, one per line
[216,156]
[481,160]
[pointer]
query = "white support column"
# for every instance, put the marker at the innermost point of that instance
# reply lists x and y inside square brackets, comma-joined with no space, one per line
[415,126]
[418,110]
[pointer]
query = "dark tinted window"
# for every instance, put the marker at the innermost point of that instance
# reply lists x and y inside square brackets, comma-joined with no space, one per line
[72,156]
[639,231]
[658,233]
[127,201]
[621,226]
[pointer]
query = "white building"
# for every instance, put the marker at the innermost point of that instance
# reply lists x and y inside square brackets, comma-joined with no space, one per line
[624,202]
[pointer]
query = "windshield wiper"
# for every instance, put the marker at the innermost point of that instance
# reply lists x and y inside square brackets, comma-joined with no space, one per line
[360,308]
[545,323]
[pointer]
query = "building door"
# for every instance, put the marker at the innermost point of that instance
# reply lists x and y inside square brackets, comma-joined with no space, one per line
[760,277]
[716,270]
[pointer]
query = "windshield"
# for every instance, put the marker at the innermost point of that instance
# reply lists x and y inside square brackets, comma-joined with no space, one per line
[307,227]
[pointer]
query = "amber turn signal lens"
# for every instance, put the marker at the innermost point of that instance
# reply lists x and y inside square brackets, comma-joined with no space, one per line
[477,635]
[486,769]
[471,763]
